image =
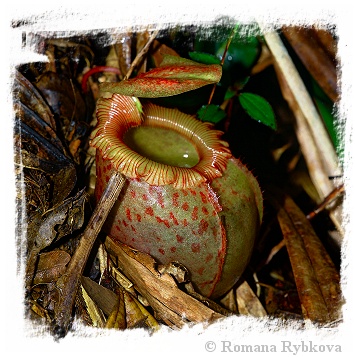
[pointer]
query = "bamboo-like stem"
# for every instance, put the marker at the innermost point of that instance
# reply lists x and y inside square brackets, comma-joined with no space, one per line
[317,148]
[311,153]
[305,104]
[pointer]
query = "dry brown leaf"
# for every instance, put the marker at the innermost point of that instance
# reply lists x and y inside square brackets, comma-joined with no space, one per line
[105,298]
[117,318]
[316,278]
[315,58]
[173,305]
[25,92]
[51,266]
[142,38]
[96,314]
[229,301]
[134,315]
[248,302]
[328,42]
[326,273]
[150,321]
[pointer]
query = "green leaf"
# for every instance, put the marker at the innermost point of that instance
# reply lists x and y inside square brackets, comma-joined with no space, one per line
[243,52]
[329,120]
[203,57]
[167,80]
[230,93]
[258,108]
[211,113]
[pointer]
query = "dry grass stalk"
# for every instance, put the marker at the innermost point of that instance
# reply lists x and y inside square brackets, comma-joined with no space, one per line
[316,146]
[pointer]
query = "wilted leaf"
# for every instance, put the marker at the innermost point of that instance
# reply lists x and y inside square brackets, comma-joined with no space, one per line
[314,58]
[95,314]
[327,275]
[121,53]
[149,321]
[134,315]
[25,92]
[51,266]
[65,99]
[34,121]
[174,76]
[63,96]
[248,302]
[49,174]
[258,108]
[117,318]
[315,275]
[105,298]
[58,222]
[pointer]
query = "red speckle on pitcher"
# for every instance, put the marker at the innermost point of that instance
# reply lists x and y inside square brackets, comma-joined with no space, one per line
[194,214]
[179,238]
[195,247]
[185,206]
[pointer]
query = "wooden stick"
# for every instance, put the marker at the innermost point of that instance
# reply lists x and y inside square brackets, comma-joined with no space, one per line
[68,283]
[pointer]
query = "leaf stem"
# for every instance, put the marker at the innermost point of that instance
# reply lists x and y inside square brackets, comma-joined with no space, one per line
[231,36]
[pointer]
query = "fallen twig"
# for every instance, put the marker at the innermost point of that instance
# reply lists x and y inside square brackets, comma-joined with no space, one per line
[335,194]
[68,283]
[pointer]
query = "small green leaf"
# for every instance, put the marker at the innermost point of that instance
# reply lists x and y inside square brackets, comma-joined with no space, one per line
[203,57]
[230,93]
[258,108]
[211,113]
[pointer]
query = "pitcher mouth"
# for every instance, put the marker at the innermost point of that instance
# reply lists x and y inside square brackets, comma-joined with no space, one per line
[120,122]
